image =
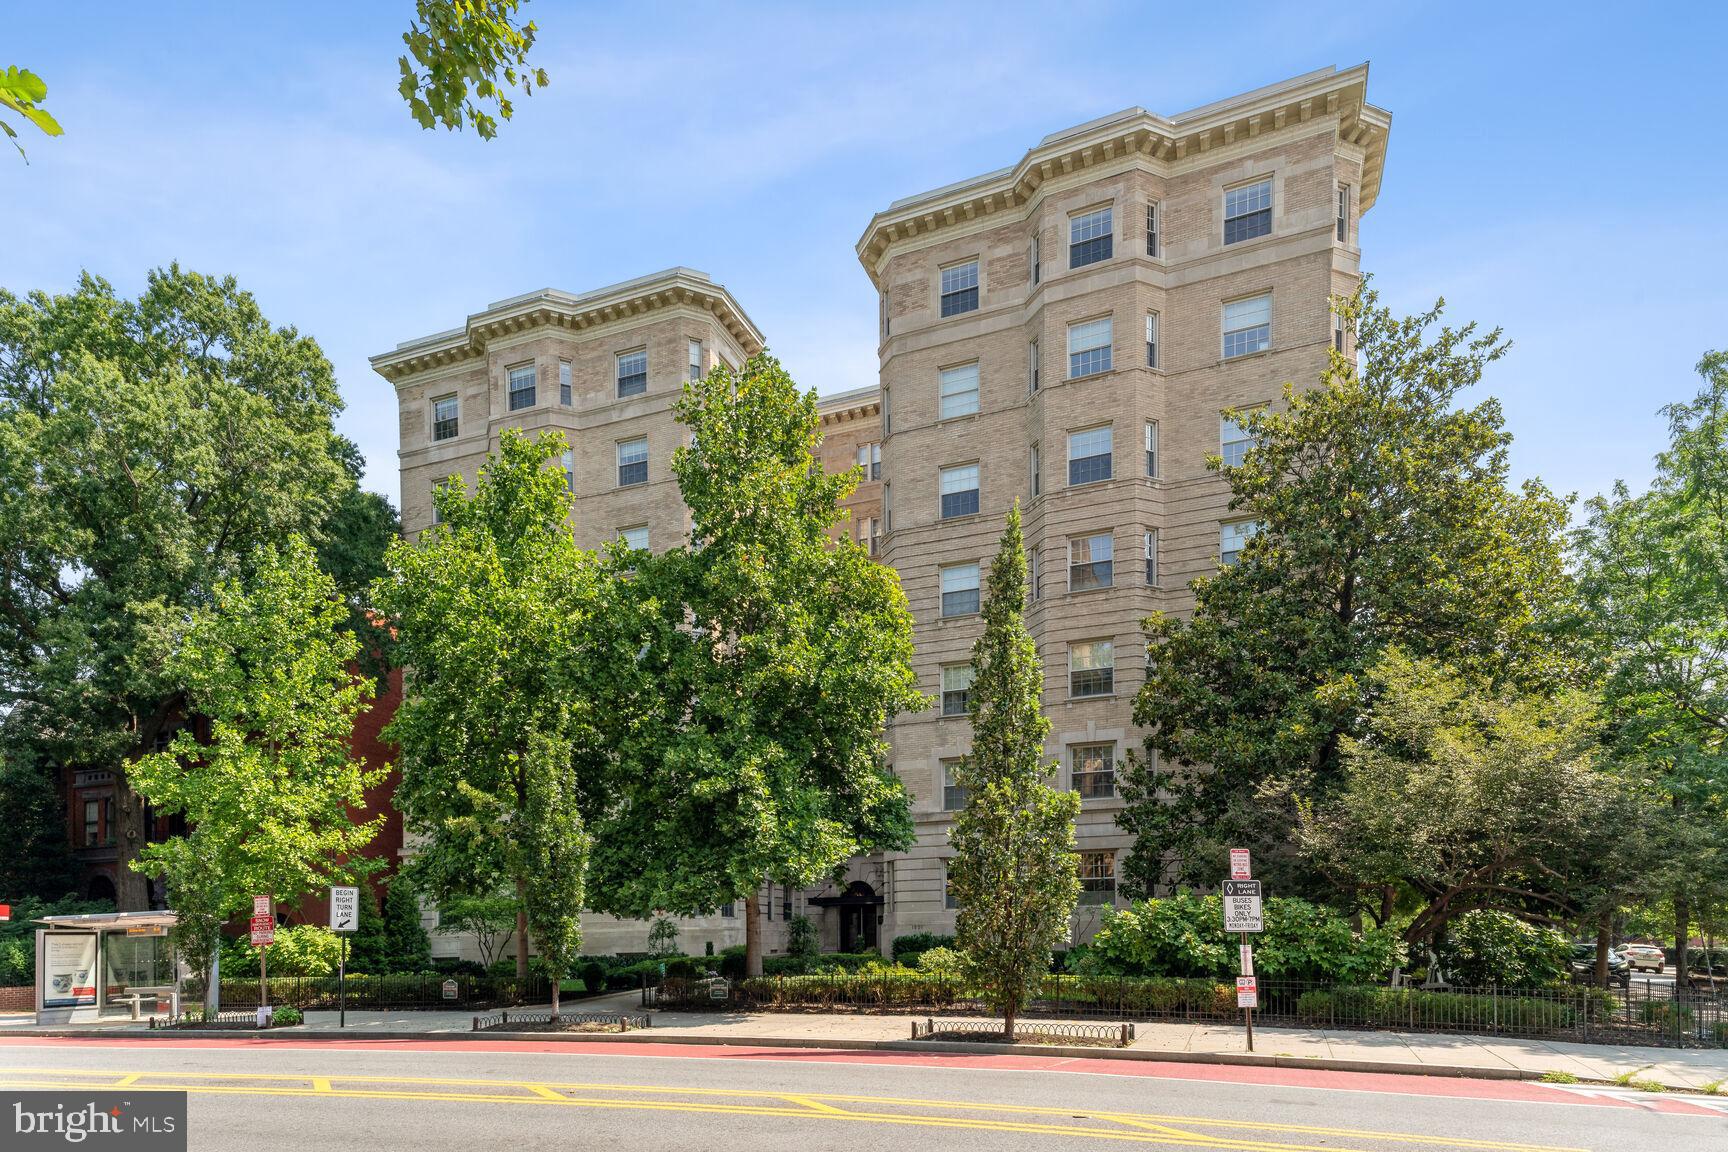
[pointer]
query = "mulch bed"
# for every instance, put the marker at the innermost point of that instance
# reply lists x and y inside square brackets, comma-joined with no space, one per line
[1022,1036]
[562,1026]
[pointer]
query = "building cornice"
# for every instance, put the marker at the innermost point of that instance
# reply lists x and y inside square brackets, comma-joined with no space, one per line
[1325,94]
[550,307]
[852,405]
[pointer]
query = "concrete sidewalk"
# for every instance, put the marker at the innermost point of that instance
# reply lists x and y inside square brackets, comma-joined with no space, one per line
[1210,1043]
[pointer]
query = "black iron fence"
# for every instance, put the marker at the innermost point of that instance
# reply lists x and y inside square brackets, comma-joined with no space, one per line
[429,990]
[1646,1012]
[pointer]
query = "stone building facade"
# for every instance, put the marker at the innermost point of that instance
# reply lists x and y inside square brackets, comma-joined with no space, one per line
[1073,332]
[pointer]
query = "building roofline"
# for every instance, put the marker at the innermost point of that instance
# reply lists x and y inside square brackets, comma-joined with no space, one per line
[1324,91]
[577,311]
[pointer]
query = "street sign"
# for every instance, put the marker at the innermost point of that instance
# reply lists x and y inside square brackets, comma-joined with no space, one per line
[449,989]
[1247,953]
[263,930]
[1240,869]
[1242,906]
[1247,992]
[261,906]
[147,930]
[5,913]
[344,909]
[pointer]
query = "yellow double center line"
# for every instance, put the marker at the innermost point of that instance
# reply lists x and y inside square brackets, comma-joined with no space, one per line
[1134,1127]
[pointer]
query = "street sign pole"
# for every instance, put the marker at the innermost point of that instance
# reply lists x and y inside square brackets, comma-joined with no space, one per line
[1247,1013]
[342,984]
[1242,915]
[344,918]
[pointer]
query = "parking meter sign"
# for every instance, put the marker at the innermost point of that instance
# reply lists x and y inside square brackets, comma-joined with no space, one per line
[1247,992]
[1240,868]
[1242,906]
[263,930]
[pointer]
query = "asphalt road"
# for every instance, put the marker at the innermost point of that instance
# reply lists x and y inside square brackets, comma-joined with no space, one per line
[248,1096]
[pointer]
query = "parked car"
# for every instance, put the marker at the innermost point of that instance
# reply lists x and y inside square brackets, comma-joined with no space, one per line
[1583,966]
[1644,957]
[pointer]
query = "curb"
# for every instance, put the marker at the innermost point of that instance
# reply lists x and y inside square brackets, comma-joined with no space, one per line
[946,1048]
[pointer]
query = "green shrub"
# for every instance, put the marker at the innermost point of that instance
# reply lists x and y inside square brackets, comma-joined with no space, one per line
[299,950]
[940,961]
[915,942]
[1183,936]
[730,962]
[801,937]
[591,972]
[1484,948]
[285,1016]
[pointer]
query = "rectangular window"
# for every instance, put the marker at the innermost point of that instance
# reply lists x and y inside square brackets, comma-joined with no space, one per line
[1247,325]
[959,589]
[959,391]
[1089,456]
[568,459]
[632,373]
[92,823]
[444,418]
[872,540]
[1338,332]
[1092,770]
[695,359]
[1091,669]
[1151,229]
[1090,237]
[887,507]
[956,685]
[1233,538]
[635,538]
[1151,339]
[1152,558]
[960,491]
[1152,449]
[633,461]
[1343,221]
[728,910]
[870,460]
[1097,877]
[1037,245]
[1248,211]
[1091,562]
[1089,348]
[1033,364]
[887,412]
[1033,468]
[953,795]
[437,513]
[960,288]
[566,382]
[1233,441]
[1032,571]
[949,900]
[522,387]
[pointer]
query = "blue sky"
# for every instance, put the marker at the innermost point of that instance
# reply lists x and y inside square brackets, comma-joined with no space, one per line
[1558,170]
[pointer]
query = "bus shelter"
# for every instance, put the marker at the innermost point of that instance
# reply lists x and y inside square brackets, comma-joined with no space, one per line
[104,966]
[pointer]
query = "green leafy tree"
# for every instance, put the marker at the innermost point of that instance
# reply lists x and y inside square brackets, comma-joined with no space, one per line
[269,796]
[489,919]
[461,54]
[1385,518]
[1014,871]
[369,946]
[501,625]
[21,93]
[1485,948]
[407,946]
[663,936]
[1468,797]
[1653,569]
[770,658]
[557,846]
[147,449]
[35,856]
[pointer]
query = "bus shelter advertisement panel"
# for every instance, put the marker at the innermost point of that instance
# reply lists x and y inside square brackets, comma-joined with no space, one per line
[68,969]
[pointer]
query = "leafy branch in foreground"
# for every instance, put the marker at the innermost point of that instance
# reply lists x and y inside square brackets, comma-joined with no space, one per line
[21,90]
[464,52]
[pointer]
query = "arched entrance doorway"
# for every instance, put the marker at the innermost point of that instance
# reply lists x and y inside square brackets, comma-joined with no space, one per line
[860,912]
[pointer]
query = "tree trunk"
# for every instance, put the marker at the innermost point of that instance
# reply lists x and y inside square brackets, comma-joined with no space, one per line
[522,929]
[753,934]
[1600,976]
[1682,933]
[1008,1024]
[131,889]
[555,985]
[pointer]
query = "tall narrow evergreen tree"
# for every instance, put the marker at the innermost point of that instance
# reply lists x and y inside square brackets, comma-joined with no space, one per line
[1014,871]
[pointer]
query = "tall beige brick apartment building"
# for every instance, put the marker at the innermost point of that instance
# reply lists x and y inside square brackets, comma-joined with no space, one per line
[1073,331]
